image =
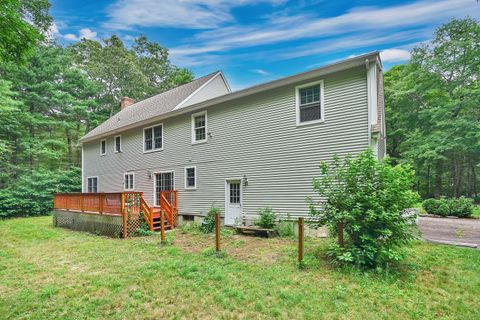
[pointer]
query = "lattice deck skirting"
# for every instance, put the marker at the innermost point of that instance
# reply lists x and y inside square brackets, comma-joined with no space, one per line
[101,224]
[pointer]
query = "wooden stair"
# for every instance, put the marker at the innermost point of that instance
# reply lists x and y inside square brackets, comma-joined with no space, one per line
[156,221]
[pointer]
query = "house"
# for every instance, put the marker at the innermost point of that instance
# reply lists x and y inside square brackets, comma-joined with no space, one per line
[238,151]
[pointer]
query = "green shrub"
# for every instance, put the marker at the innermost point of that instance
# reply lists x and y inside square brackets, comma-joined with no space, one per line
[32,194]
[457,207]
[285,228]
[476,199]
[266,218]
[190,227]
[368,197]
[208,223]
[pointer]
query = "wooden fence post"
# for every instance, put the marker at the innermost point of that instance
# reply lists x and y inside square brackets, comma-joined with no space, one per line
[82,202]
[301,237]
[124,216]
[217,232]
[162,226]
[340,234]
[101,199]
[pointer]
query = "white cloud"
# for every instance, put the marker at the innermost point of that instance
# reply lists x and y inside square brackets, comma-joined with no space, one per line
[394,55]
[195,14]
[261,72]
[70,36]
[86,33]
[363,22]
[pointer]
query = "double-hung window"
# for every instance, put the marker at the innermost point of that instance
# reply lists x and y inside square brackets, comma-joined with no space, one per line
[310,102]
[92,184]
[103,147]
[153,138]
[190,178]
[118,144]
[128,183]
[199,127]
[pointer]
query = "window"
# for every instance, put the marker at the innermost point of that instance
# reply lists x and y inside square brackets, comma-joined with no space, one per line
[92,184]
[310,102]
[118,144]
[190,178]
[128,183]
[103,147]
[235,192]
[199,127]
[153,138]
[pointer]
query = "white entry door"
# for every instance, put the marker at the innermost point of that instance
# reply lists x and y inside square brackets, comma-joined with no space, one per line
[233,202]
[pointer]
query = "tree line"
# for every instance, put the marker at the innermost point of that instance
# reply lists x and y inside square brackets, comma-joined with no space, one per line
[51,95]
[433,111]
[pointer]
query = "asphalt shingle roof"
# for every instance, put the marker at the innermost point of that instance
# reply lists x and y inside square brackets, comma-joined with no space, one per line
[150,107]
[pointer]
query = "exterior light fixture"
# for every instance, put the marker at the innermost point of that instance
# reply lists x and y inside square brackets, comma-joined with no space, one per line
[245,180]
[149,174]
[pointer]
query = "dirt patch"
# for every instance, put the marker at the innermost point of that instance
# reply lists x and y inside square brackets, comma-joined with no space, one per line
[241,247]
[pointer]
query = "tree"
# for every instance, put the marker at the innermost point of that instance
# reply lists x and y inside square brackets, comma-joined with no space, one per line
[137,72]
[366,198]
[23,24]
[433,114]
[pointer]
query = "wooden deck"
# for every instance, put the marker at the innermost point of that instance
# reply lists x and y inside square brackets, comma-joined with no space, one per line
[131,206]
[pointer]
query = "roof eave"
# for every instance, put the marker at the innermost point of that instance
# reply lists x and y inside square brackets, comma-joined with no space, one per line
[304,76]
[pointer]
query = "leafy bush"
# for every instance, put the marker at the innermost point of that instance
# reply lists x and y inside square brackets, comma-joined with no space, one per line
[208,223]
[368,197]
[457,207]
[190,227]
[285,228]
[266,218]
[32,194]
[476,199]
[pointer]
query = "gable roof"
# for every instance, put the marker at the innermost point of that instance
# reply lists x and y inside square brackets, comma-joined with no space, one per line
[371,57]
[150,107]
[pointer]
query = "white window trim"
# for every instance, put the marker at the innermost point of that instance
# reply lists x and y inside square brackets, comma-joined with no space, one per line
[322,103]
[185,179]
[106,147]
[193,127]
[155,186]
[153,142]
[133,181]
[98,183]
[115,143]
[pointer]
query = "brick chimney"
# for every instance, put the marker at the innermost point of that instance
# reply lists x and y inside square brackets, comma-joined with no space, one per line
[125,102]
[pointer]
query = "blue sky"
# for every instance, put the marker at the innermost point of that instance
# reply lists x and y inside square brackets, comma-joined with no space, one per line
[255,41]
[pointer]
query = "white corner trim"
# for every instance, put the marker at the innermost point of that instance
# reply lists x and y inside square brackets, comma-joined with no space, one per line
[83,170]
[192,120]
[181,104]
[372,97]
[186,187]
[322,103]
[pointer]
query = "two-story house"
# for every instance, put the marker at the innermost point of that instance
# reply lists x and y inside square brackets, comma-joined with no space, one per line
[239,151]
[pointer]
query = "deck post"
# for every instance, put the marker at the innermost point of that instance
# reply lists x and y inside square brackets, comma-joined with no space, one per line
[162,226]
[301,237]
[124,216]
[217,232]
[101,199]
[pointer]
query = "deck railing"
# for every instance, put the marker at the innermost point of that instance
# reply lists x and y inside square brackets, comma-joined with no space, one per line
[128,205]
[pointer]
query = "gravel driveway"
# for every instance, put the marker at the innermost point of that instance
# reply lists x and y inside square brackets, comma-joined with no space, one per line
[462,232]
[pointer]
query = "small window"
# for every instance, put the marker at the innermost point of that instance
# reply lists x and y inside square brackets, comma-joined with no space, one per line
[128,183]
[103,147]
[118,144]
[153,138]
[199,127]
[92,184]
[190,178]
[310,103]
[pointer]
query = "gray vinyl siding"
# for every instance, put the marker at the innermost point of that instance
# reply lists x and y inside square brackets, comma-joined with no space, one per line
[256,137]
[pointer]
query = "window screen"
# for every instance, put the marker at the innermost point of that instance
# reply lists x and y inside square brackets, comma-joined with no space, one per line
[153,138]
[190,178]
[310,105]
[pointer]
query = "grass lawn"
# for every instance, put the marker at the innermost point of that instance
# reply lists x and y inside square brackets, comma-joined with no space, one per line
[48,273]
